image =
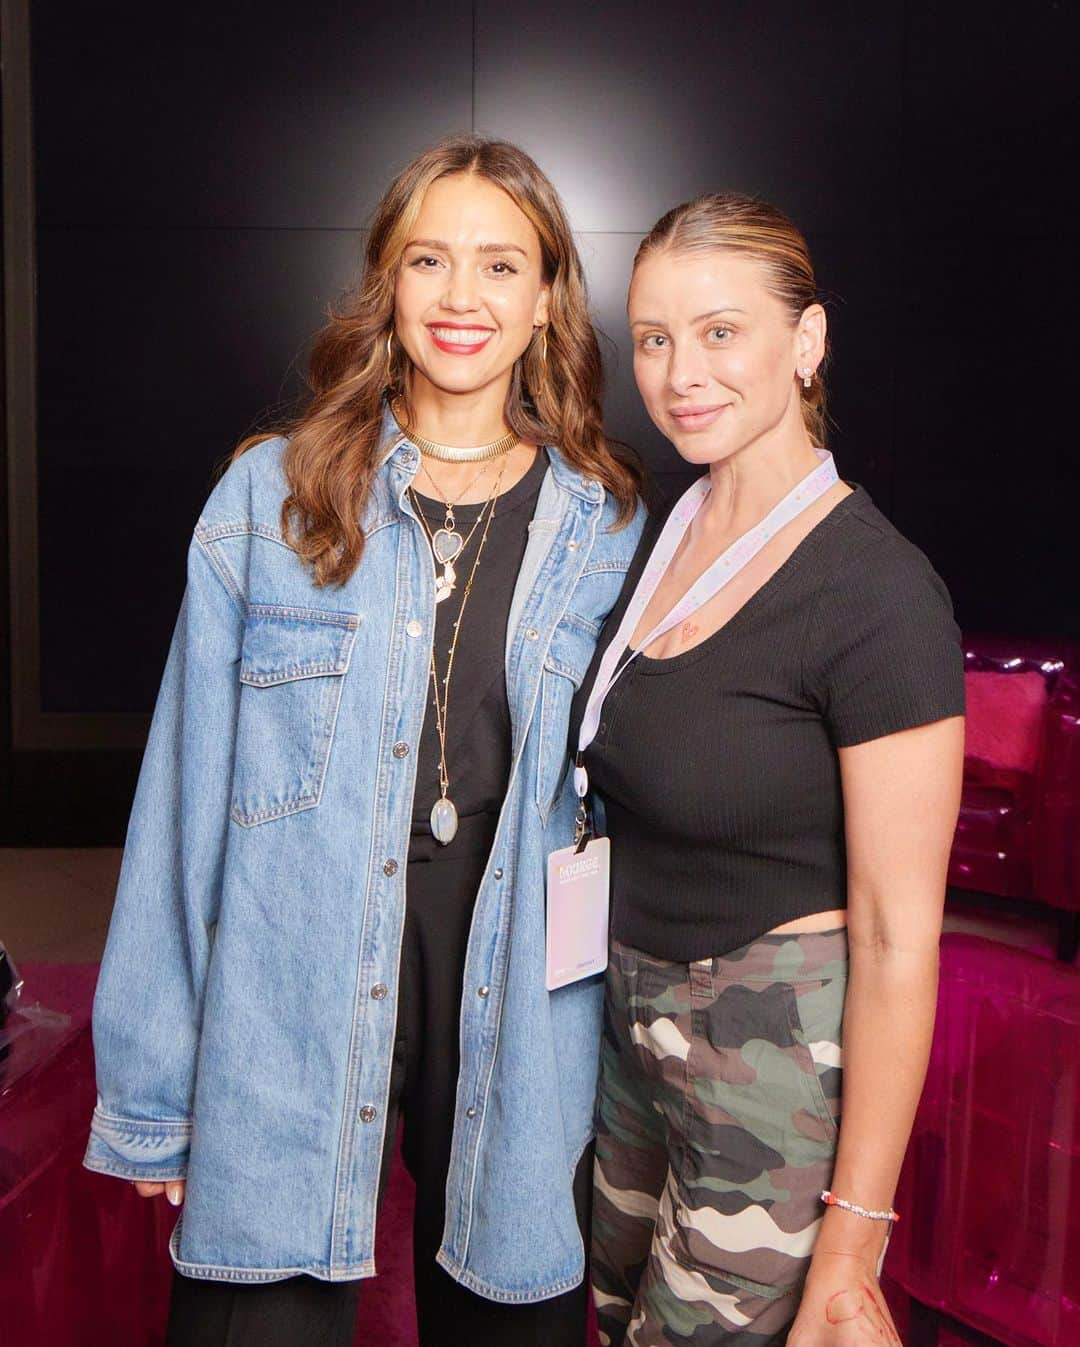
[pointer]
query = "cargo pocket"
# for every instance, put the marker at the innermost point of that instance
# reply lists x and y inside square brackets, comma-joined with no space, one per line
[568,657]
[292,666]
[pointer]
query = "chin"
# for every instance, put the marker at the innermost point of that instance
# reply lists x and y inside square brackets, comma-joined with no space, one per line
[457,380]
[701,450]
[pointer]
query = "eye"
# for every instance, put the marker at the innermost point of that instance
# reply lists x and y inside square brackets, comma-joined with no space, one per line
[425,263]
[655,341]
[720,333]
[503,269]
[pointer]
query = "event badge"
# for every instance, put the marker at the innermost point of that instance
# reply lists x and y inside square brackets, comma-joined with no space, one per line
[577,912]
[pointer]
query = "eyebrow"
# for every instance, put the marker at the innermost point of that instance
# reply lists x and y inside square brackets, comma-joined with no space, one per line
[441,246]
[713,313]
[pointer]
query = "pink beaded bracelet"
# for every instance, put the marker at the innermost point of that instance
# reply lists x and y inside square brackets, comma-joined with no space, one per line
[831,1200]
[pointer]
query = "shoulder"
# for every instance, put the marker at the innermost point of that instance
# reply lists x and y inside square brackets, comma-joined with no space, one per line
[613,543]
[869,562]
[883,651]
[249,496]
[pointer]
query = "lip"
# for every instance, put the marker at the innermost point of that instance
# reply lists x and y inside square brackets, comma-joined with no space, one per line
[459,347]
[698,418]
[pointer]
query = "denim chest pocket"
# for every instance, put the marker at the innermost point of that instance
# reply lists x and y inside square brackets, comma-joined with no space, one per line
[568,657]
[292,666]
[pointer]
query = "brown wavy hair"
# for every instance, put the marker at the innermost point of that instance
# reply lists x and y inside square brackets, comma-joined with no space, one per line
[742,224]
[333,450]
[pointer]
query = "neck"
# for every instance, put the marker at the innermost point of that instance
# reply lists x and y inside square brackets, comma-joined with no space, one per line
[746,486]
[464,420]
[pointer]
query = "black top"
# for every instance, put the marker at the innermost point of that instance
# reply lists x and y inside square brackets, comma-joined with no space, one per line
[718,767]
[478,735]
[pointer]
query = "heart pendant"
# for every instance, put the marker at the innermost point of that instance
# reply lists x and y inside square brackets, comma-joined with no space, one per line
[446,545]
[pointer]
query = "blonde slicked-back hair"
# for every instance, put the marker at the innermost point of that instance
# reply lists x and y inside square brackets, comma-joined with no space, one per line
[741,224]
[333,450]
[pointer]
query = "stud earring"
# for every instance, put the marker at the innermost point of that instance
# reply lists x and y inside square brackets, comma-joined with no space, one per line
[807,377]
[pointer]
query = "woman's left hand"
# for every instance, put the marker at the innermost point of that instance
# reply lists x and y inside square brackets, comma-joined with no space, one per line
[842,1306]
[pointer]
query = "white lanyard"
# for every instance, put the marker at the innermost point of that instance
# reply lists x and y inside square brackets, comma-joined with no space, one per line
[723,569]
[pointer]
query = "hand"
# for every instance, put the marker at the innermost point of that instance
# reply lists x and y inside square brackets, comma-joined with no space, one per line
[173,1190]
[842,1306]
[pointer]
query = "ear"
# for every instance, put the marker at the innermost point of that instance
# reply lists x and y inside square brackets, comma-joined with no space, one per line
[810,338]
[541,315]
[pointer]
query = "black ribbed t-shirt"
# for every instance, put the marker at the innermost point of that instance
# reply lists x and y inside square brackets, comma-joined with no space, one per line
[718,767]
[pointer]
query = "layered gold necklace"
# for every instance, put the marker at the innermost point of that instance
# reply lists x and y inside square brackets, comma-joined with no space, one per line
[444,814]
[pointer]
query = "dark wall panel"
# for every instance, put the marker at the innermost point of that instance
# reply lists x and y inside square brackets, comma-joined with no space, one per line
[987,477]
[632,108]
[991,124]
[203,173]
[987,473]
[160,349]
[240,114]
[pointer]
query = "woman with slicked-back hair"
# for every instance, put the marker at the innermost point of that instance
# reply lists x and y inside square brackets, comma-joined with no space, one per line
[330,916]
[773,720]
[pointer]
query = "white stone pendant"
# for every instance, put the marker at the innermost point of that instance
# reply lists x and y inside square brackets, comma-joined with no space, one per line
[444,584]
[444,821]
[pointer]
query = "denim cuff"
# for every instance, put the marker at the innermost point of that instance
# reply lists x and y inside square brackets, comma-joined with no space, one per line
[151,1150]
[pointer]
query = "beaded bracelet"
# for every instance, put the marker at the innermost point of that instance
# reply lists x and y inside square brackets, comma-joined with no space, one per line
[831,1200]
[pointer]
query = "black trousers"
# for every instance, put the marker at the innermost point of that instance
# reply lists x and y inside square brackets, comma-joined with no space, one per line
[304,1312]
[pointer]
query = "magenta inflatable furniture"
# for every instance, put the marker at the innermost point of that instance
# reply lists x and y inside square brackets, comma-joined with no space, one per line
[1018,836]
[990,1191]
[83,1260]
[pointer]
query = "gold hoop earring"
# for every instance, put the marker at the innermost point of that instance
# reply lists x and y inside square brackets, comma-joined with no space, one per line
[390,361]
[538,392]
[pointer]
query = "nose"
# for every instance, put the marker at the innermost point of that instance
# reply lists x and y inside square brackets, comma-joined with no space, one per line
[461,290]
[687,368]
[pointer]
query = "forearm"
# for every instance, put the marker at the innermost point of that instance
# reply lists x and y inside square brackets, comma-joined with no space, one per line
[888,1024]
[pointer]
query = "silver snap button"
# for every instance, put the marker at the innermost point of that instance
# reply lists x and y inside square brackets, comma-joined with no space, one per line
[414,629]
[367,1114]
[532,634]
[400,750]
[483,992]
[378,992]
[572,546]
[389,867]
[470,1112]
[499,873]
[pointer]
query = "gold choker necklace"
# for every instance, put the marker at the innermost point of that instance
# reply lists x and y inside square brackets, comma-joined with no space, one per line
[451,453]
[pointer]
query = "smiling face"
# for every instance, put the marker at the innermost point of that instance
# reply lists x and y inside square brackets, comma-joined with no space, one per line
[717,356]
[470,288]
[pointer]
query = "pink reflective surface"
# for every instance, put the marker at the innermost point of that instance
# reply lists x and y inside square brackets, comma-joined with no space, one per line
[83,1259]
[1019,830]
[990,1191]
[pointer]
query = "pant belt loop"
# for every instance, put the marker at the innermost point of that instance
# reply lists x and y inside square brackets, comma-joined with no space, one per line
[701,980]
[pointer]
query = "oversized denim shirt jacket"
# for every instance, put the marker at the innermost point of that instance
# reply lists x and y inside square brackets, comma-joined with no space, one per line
[244,1018]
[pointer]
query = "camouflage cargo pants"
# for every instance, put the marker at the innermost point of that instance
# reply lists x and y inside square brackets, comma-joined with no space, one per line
[718,1112]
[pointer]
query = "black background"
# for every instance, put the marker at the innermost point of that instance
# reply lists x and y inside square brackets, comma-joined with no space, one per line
[203,179]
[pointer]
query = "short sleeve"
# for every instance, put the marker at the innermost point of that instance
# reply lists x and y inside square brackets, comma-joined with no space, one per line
[883,652]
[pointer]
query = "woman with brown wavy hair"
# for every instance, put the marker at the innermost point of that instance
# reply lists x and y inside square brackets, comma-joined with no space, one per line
[335,864]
